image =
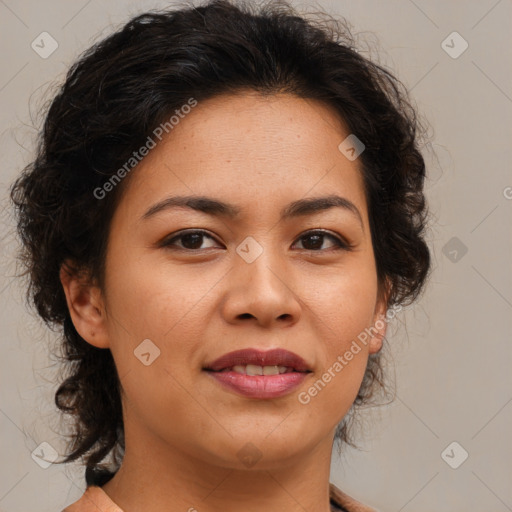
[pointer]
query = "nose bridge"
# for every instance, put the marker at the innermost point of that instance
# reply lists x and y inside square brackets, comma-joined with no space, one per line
[257,264]
[262,285]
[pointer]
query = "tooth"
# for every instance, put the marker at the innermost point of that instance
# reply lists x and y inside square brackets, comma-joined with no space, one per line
[270,370]
[252,369]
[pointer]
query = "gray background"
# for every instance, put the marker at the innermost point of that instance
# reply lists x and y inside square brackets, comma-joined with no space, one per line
[451,351]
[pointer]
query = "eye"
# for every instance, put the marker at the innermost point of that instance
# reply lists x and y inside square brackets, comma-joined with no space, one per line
[190,240]
[315,241]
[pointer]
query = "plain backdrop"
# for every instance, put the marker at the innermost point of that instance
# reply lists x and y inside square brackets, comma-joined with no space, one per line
[451,352]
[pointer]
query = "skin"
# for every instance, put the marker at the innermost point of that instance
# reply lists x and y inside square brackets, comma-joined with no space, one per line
[183,430]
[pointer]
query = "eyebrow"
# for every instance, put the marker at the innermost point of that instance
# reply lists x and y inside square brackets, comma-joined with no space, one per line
[215,207]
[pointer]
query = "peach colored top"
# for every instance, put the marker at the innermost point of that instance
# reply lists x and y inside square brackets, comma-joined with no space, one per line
[95,499]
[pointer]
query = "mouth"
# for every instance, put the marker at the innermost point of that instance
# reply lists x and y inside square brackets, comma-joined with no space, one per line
[255,374]
[255,362]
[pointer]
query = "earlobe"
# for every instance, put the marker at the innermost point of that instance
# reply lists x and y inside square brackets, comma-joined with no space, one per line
[378,333]
[85,305]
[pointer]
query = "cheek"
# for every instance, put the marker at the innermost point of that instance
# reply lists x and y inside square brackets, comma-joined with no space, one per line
[345,312]
[344,356]
[347,304]
[152,327]
[152,299]
[149,302]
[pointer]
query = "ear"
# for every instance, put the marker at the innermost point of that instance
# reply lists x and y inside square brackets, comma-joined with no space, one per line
[85,305]
[380,323]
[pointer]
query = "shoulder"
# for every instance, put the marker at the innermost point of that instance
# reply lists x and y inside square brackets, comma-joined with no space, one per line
[93,499]
[345,502]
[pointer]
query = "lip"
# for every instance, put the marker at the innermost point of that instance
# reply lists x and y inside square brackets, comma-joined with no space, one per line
[259,386]
[275,357]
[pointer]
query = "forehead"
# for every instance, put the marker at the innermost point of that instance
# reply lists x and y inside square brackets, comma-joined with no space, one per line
[250,148]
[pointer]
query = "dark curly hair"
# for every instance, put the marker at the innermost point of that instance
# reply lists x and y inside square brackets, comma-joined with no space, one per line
[126,85]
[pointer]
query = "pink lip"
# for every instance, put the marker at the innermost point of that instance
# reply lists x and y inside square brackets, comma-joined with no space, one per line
[259,386]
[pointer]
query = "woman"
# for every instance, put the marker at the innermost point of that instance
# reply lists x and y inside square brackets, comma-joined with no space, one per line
[225,204]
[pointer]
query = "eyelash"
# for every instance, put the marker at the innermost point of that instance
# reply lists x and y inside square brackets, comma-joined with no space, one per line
[340,244]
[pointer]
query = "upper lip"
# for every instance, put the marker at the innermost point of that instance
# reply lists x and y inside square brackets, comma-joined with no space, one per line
[275,357]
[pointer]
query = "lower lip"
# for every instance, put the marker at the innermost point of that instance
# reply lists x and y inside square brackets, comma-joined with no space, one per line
[260,386]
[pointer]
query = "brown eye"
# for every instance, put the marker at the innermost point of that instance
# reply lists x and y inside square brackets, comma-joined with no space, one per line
[314,240]
[190,240]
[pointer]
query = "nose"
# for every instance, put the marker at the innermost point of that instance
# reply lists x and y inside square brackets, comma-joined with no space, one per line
[262,292]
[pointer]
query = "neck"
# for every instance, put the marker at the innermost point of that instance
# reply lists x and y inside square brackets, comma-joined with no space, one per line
[157,477]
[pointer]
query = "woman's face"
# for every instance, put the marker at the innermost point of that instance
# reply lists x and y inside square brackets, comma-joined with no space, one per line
[262,279]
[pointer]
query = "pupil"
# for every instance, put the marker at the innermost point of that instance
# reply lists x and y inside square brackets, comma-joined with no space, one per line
[189,238]
[317,240]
